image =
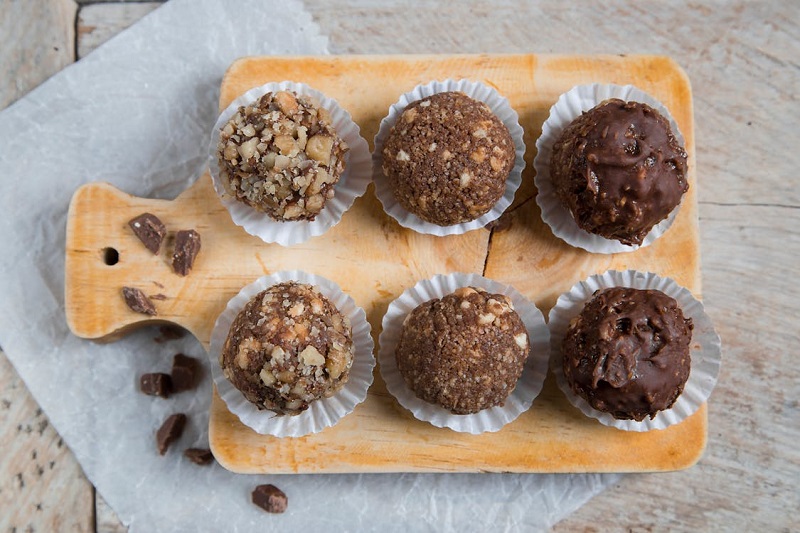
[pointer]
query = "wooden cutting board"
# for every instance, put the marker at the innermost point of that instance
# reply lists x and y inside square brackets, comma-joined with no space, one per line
[374,259]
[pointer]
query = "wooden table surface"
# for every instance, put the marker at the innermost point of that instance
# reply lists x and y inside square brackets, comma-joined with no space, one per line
[743,58]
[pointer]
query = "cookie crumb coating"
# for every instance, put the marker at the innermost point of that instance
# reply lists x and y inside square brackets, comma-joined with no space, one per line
[628,352]
[464,352]
[447,158]
[282,156]
[619,169]
[288,347]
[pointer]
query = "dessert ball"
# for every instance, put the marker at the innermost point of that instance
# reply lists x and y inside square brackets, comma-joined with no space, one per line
[464,352]
[281,155]
[288,347]
[447,158]
[619,170]
[627,353]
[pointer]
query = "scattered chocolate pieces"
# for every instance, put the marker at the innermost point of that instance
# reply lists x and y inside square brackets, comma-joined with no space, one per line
[156,384]
[137,301]
[270,498]
[150,230]
[184,372]
[199,456]
[187,246]
[170,431]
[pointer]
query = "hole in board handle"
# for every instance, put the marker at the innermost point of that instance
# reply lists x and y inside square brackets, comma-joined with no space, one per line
[110,256]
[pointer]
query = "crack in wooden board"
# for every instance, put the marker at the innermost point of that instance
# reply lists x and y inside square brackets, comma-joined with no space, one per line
[373,259]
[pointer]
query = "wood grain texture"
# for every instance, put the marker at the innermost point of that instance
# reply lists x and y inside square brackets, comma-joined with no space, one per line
[42,487]
[37,37]
[371,257]
[97,23]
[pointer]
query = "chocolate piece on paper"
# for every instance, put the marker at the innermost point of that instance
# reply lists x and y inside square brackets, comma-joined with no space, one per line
[187,246]
[270,498]
[199,456]
[185,371]
[150,230]
[156,384]
[170,431]
[137,301]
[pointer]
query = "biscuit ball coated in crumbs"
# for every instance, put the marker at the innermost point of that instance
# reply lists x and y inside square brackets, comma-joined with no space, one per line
[627,353]
[465,351]
[619,169]
[281,155]
[288,347]
[447,158]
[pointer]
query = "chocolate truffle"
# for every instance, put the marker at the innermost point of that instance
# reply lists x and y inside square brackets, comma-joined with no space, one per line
[619,170]
[464,352]
[627,353]
[447,158]
[288,347]
[282,156]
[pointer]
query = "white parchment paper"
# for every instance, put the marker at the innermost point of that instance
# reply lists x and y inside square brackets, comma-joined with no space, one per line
[136,113]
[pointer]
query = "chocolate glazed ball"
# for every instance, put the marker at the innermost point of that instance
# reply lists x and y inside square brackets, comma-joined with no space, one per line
[627,353]
[619,170]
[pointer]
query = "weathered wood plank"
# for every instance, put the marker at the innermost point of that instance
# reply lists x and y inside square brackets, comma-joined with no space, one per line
[37,41]
[97,23]
[42,487]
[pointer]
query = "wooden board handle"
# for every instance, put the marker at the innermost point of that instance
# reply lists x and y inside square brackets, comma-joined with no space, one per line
[103,255]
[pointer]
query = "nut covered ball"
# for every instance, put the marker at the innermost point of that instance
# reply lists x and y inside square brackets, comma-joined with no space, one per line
[281,155]
[288,347]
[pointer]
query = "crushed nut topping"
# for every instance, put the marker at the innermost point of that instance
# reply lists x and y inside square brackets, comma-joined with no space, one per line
[288,347]
[281,155]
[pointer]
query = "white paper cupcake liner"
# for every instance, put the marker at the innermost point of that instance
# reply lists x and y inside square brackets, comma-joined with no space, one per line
[499,106]
[321,413]
[352,184]
[569,106]
[706,349]
[528,387]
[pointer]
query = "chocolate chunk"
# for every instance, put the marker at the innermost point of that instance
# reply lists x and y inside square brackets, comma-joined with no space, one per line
[184,372]
[199,456]
[187,246]
[150,231]
[170,431]
[137,301]
[156,384]
[270,498]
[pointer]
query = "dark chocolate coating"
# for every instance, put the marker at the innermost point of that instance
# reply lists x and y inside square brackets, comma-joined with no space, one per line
[619,170]
[627,353]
